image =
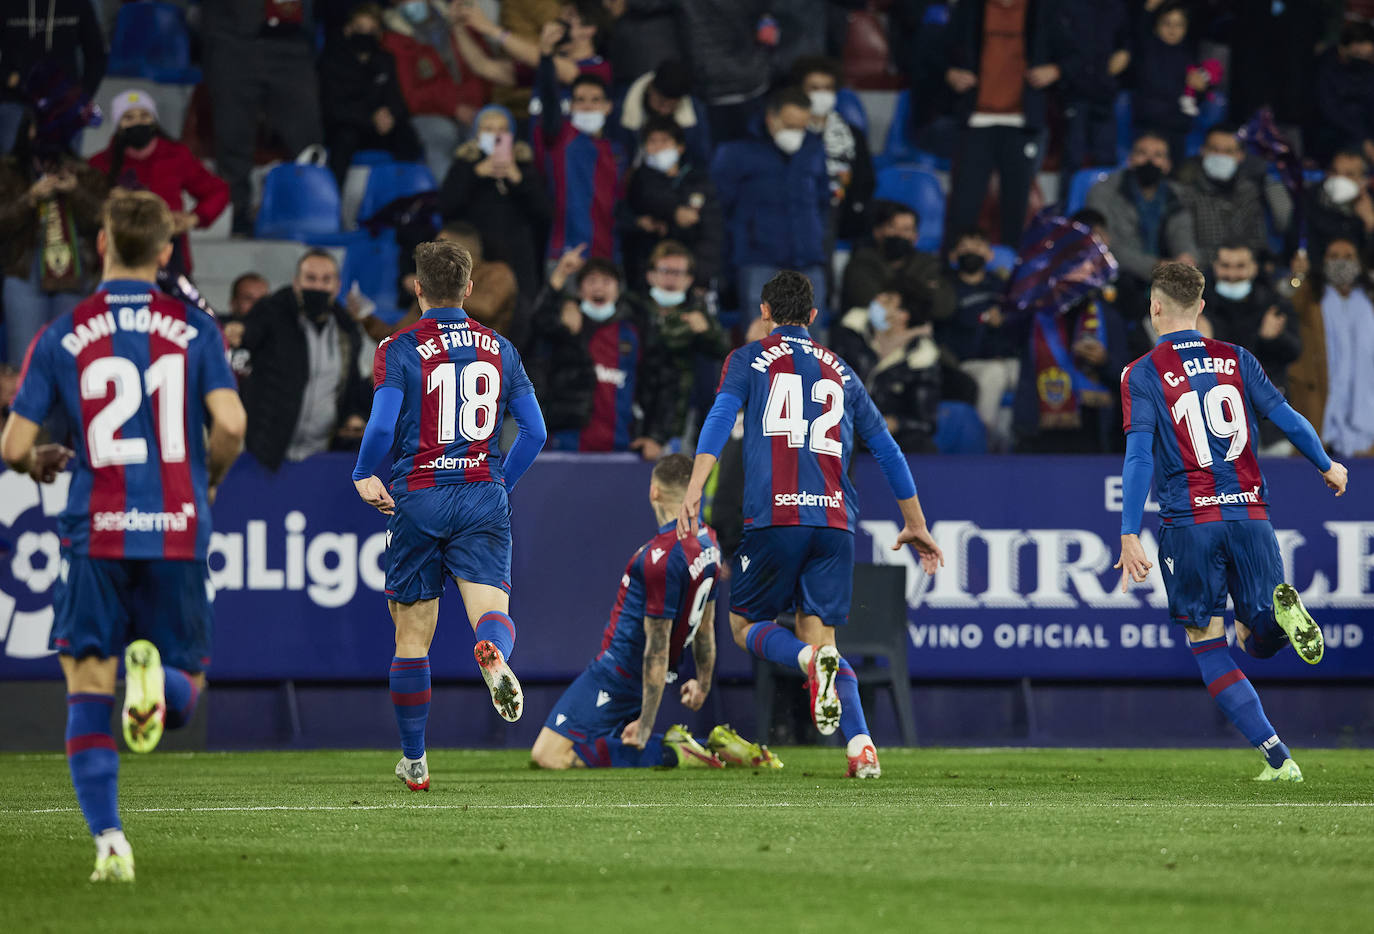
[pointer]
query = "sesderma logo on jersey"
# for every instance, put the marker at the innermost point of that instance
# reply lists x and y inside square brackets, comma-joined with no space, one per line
[1243,498]
[456,463]
[828,500]
[136,521]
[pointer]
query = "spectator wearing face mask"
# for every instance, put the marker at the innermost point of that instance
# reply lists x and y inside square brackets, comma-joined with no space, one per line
[1332,383]
[888,252]
[692,341]
[669,198]
[1241,308]
[666,92]
[891,348]
[847,160]
[1341,108]
[775,200]
[360,95]
[441,91]
[307,393]
[1338,207]
[584,168]
[493,185]
[142,155]
[603,380]
[1228,194]
[1146,216]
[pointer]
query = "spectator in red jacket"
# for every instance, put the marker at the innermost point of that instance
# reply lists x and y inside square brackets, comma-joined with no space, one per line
[142,155]
[441,89]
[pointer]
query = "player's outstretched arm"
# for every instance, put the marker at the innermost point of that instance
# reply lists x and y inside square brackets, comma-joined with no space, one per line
[704,652]
[42,462]
[228,426]
[1304,437]
[377,439]
[656,634]
[529,441]
[915,533]
[873,429]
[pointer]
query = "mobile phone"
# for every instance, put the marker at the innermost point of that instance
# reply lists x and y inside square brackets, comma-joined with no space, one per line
[501,151]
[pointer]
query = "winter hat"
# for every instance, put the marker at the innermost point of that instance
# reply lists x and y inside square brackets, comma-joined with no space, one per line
[132,100]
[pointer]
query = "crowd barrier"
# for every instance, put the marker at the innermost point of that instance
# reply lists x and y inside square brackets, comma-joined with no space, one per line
[1027,592]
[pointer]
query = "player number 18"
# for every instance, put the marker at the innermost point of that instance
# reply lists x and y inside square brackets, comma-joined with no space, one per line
[1222,412]
[782,413]
[479,388]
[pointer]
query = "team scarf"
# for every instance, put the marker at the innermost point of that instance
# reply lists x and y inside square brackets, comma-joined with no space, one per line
[60,249]
[1061,387]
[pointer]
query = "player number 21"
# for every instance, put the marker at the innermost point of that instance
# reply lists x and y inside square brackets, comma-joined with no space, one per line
[165,378]
[782,413]
[1222,412]
[479,388]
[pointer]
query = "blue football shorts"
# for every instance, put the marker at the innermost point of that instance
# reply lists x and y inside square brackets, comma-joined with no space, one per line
[784,567]
[1203,563]
[100,605]
[596,704]
[461,530]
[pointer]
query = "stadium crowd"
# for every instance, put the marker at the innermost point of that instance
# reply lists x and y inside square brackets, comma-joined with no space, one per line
[628,174]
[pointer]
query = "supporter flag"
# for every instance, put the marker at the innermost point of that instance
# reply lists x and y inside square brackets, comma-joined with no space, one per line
[1263,138]
[1060,264]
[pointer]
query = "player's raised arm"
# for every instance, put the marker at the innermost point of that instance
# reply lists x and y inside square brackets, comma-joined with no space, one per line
[1269,402]
[873,429]
[657,632]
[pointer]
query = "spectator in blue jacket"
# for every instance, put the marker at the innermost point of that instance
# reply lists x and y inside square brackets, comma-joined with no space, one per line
[775,199]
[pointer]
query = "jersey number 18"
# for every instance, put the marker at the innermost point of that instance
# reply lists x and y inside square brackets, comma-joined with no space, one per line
[479,388]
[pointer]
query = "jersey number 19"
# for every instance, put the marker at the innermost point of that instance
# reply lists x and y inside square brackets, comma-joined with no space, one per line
[1221,412]
[479,388]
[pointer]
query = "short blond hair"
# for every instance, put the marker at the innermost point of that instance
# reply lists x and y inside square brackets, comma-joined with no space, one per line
[443,269]
[1180,283]
[138,224]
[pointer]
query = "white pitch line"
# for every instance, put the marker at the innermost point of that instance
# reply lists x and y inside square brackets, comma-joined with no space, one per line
[675,806]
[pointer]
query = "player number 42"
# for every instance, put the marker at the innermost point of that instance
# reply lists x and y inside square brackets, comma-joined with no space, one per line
[1222,412]
[783,413]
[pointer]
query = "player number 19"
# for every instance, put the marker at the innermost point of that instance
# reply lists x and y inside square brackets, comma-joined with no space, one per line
[1222,412]
[782,413]
[479,388]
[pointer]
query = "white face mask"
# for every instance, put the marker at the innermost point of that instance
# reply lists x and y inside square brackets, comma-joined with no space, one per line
[1219,166]
[486,142]
[666,298]
[1340,189]
[665,160]
[1235,291]
[598,312]
[822,102]
[877,315]
[588,121]
[789,141]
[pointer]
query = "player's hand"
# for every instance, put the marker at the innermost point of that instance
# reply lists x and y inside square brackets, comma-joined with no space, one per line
[1132,563]
[688,523]
[648,448]
[49,460]
[692,696]
[634,735]
[373,492]
[932,558]
[1336,477]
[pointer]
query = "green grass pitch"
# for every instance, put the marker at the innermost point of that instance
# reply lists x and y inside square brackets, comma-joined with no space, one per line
[946,840]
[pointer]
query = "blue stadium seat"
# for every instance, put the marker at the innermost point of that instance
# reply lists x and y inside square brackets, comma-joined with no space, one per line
[151,41]
[1125,131]
[851,108]
[299,202]
[898,147]
[389,181]
[920,190]
[1083,180]
[1003,259]
[374,263]
[959,430]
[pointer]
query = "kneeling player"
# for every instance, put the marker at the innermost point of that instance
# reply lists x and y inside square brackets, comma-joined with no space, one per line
[606,717]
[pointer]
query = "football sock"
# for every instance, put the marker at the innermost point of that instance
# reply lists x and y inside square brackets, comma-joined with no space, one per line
[774,643]
[610,752]
[1266,636]
[852,721]
[1237,698]
[498,629]
[181,694]
[410,697]
[93,761]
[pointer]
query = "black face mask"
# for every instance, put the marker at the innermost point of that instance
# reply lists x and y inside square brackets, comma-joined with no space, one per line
[969,263]
[316,304]
[895,248]
[362,43]
[138,135]
[1148,175]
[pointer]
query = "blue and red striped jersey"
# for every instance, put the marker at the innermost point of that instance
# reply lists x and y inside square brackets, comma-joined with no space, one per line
[1199,399]
[585,176]
[667,578]
[131,367]
[457,379]
[615,349]
[802,404]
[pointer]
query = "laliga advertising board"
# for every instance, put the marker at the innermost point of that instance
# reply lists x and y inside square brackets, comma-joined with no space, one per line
[1028,591]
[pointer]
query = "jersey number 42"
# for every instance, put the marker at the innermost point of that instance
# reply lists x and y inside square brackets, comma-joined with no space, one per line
[783,413]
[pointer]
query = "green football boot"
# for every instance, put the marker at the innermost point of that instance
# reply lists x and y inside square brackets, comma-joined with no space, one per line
[690,753]
[145,703]
[1288,772]
[733,749]
[112,867]
[1293,619]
